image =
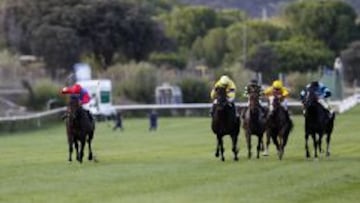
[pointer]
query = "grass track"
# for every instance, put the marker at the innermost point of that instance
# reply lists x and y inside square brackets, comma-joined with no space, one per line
[177,164]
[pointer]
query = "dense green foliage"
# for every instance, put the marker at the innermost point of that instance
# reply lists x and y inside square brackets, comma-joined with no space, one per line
[47,28]
[176,164]
[351,59]
[331,21]
[195,90]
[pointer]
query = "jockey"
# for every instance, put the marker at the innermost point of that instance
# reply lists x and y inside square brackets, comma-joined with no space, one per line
[79,93]
[277,90]
[226,82]
[253,86]
[76,89]
[322,93]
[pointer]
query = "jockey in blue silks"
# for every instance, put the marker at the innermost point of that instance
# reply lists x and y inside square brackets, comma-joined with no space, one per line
[321,91]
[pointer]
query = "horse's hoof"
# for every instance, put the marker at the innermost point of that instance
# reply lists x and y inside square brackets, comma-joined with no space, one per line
[90,157]
[327,154]
[216,154]
[236,159]
[223,159]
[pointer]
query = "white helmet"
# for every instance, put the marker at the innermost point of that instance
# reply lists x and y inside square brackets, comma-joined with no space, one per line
[224,80]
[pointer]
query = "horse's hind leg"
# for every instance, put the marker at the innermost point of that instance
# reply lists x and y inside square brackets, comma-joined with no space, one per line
[307,145]
[234,147]
[221,143]
[328,138]
[71,149]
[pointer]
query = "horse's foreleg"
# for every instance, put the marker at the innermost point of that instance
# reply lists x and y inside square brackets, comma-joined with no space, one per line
[77,149]
[81,154]
[234,147]
[222,150]
[89,145]
[217,151]
[248,142]
[258,148]
[315,145]
[266,148]
[320,143]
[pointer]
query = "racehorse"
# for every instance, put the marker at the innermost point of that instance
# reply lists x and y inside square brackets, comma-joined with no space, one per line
[80,128]
[317,121]
[278,127]
[254,121]
[225,122]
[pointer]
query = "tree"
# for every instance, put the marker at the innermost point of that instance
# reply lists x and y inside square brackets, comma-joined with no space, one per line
[243,36]
[51,29]
[262,58]
[212,48]
[351,60]
[332,22]
[185,24]
[227,17]
[301,54]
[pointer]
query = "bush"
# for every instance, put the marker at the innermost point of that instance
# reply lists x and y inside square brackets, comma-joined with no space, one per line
[44,90]
[134,81]
[195,90]
[297,82]
[168,59]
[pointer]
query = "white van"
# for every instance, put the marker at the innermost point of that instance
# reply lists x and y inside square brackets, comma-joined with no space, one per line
[100,91]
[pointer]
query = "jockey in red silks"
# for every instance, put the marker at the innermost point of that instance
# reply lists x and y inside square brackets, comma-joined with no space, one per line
[80,93]
[76,89]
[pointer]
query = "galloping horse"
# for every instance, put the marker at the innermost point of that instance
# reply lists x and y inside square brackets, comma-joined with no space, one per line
[254,118]
[279,126]
[317,121]
[225,122]
[80,128]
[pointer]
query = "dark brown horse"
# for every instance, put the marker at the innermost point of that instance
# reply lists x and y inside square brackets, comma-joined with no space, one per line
[317,122]
[279,126]
[225,122]
[80,128]
[254,121]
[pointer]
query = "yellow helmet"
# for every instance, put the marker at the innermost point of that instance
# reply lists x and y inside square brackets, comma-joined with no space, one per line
[277,84]
[224,80]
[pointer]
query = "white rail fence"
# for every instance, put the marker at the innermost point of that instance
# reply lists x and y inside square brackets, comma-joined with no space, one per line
[38,119]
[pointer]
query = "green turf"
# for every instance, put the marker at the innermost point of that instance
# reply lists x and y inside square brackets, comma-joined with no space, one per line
[177,164]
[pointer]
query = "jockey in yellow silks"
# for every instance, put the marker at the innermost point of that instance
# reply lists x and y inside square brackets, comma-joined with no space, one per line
[277,89]
[230,86]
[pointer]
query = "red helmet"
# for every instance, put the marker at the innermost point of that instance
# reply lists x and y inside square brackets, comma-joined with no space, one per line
[77,88]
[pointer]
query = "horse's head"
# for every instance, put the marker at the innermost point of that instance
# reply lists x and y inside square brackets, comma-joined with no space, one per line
[74,111]
[253,99]
[221,96]
[310,97]
[276,103]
